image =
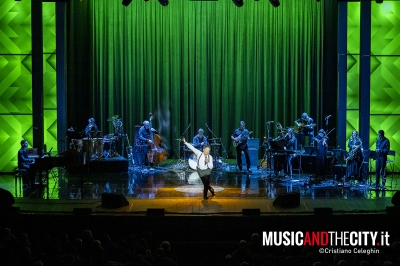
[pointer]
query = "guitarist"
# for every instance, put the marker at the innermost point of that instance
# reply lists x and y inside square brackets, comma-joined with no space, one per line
[306,128]
[240,137]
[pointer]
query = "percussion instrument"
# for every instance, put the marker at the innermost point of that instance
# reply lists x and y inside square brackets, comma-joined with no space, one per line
[112,118]
[93,147]
[193,161]
[76,144]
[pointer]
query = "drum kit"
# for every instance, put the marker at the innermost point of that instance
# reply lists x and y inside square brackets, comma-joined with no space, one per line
[97,147]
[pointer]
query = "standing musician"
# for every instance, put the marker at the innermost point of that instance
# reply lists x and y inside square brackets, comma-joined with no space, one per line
[322,146]
[240,137]
[205,161]
[91,127]
[290,145]
[144,138]
[24,162]
[355,157]
[306,127]
[382,150]
[200,140]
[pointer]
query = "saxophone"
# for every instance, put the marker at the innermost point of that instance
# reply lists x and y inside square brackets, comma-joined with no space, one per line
[353,152]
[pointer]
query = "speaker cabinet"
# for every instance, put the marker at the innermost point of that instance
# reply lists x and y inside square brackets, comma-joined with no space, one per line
[113,200]
[287,200]
[396,199]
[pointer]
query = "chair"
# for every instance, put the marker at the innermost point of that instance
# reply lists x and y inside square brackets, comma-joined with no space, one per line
[391,162]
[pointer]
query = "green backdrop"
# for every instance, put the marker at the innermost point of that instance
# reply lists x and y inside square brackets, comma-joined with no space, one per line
[385,69]
[195,62]
[16,79]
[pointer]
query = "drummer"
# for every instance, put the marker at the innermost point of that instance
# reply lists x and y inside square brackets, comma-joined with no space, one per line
[200,140]
[91,130]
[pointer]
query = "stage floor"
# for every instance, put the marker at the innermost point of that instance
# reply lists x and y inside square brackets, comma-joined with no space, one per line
[177,189]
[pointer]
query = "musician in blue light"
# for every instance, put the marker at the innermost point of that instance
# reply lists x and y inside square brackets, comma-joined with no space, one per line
[91,130]
[240,137]
[382,150]
[355,157]
[305,126]
[200,140]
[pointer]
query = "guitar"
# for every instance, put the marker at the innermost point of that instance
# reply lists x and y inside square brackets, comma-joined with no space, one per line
[302,127]
[237,140]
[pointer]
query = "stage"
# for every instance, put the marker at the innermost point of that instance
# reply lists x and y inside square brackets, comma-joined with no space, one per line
[177,189]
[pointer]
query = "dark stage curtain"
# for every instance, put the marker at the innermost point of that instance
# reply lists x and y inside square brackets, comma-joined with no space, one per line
[194,62]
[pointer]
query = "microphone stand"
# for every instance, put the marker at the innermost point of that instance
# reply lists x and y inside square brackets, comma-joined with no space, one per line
[220,140]
[181,162]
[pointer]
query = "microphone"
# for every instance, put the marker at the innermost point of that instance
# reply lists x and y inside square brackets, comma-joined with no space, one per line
[328,116]
[270,122]
[190,124]
[206,124]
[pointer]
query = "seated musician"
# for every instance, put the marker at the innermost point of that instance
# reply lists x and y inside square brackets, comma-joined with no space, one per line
[322,145]
[145,140]
[290,145]
[200,140]
[355,157]
[91,129]
[24,162]
[306,128]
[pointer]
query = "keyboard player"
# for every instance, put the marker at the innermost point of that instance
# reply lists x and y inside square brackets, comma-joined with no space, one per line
[25,162]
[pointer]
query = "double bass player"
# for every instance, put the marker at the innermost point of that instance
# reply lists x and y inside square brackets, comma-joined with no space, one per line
[151,143]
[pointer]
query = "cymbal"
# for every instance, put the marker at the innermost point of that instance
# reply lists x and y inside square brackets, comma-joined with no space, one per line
[214,139]
[177,139]
[215,144]
[113,118]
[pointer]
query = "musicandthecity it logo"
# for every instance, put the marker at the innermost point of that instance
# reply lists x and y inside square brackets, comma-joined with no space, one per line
[326,238]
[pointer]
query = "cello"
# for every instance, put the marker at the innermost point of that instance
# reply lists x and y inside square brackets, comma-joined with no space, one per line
[156,153]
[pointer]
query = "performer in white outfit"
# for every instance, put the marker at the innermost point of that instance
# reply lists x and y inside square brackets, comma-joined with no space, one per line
[204,161]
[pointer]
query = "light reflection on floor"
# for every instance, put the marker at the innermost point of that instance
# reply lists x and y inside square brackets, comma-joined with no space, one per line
[171,182]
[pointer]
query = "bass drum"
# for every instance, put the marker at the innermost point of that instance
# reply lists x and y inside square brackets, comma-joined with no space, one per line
[193,161]
[93,148]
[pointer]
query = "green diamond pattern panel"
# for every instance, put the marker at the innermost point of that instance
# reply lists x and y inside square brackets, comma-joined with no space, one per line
[13,129]
[353,83]
[49,79]
[353,28]
[15,84]
[390,124]
[352,119]
[50,125]
[15,27]
[385,85]
[385,28]
[49,27]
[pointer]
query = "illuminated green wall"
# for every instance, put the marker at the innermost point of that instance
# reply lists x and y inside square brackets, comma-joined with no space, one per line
[16,79]
[385,71]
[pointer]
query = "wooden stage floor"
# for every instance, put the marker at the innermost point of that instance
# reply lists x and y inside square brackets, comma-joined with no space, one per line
[178,190]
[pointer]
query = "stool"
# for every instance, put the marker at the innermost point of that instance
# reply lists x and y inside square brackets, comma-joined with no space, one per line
[19,175]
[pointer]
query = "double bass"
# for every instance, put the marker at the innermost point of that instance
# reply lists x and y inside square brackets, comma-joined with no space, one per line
[156,154]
